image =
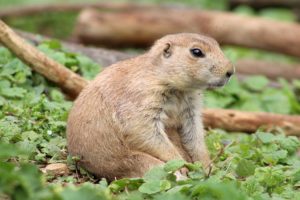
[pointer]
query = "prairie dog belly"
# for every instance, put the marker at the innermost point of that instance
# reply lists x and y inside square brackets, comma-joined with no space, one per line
[171,117]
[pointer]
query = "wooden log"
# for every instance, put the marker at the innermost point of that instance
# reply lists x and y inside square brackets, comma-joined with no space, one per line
[141,28]
[272,70]
[38,61]
[233,120]
[213,118]
[29,10]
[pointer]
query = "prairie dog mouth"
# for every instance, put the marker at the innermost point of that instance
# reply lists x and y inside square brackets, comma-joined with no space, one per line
[217,84]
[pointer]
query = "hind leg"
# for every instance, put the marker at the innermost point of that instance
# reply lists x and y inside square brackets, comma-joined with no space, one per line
[144,162]
[138,164]
[128,165]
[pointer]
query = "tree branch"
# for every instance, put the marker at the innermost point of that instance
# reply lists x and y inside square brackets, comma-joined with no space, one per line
[69,7]
[142,28]
[38,61]
[270,69]
[233,120]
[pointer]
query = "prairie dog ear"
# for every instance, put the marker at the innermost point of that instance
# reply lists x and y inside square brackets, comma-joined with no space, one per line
[167,51]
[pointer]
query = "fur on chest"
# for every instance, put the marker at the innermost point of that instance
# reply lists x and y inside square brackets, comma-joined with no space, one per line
[178,106]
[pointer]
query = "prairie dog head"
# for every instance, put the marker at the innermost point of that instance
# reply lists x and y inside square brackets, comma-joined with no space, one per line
[189,60]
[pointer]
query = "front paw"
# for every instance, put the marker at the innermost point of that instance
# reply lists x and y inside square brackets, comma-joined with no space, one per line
[181,174]
[206,162]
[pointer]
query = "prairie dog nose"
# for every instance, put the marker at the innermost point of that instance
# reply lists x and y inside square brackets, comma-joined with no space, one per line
[229,73]
[230,70]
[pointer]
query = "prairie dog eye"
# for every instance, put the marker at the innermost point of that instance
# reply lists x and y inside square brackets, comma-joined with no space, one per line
[197,53]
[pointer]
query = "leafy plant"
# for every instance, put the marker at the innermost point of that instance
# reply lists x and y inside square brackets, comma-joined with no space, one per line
[253,94]
[33,115]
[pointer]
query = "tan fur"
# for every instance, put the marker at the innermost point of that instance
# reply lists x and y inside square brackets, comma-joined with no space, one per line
[144,111]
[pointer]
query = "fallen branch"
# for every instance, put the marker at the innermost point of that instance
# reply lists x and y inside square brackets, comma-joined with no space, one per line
[38,61]
[226,119]
[272,70]
[142,28]
[69,7]
[233,120]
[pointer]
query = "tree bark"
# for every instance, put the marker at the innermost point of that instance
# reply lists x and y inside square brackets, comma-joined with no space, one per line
[213,118]
[141,28]
[38,61]
[272,70]
[233,120]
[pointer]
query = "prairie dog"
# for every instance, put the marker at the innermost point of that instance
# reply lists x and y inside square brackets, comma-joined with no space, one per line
[144,111]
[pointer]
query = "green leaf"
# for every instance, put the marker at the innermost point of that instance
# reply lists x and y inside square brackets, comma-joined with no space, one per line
[156,173]
[135,183]
[8,150]
[5,84]
[286,88]
[256,83]
[252,186]
[86,192]
[265,137]
[168,196]
[244,10]
[14,92]
[53,44]
[296,176]
[119,185]
[270,176]
[245,168]
[217,190]
[165,185]
[196,166]
[173,165]
[57,96]
[281,154]
[278,14]
[251,105]
[275,101]
[154,186]
[274,157]
[291,143]
[150,187]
